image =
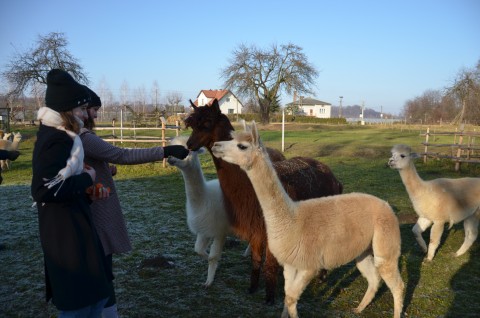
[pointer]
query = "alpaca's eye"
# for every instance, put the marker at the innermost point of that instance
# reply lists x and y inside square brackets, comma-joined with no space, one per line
[241,147]
[403,156]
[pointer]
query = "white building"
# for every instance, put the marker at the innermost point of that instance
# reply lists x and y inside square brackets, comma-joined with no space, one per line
[229,103]
[313,107]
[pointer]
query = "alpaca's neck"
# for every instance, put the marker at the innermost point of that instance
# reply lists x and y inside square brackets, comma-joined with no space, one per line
[412,181]
[14,145]
[194,179]
[276,205]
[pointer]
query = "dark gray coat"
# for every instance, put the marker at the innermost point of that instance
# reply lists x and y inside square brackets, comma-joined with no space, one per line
[75,271]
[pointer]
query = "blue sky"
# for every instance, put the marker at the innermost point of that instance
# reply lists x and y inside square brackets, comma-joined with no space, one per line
[378,52]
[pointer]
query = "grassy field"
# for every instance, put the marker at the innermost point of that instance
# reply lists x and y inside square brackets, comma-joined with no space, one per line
[163,277]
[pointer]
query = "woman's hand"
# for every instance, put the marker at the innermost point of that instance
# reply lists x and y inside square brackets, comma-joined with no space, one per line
[90,171]
[113,170]
[98,192]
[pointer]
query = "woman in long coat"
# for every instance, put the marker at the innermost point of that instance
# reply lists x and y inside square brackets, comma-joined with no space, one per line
[77,278]
[107,214]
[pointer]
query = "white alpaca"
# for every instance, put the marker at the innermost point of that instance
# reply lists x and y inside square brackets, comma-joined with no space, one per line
[7,136]
[206,215]
[6,144]
[353,226]
[438,201]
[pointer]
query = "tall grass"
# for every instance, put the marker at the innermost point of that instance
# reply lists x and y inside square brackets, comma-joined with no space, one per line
[162,276]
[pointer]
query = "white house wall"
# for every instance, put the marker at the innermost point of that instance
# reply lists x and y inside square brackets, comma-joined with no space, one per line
[202,99]
[317,111]
[229,104]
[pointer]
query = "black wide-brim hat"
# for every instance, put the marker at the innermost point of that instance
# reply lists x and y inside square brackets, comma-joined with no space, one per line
[64,93]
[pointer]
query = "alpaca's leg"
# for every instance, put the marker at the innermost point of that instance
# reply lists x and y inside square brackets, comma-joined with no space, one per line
[366,266]
[470,226]
[295,283]
[215,254]
[270,269]
[201,245]
[256,248]
[247,251]
[391,275]
[420,227]
[435,236]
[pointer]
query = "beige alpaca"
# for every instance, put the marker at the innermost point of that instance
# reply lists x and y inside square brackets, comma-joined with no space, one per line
[9,145]
[438,201]
[353,226]
[7,136]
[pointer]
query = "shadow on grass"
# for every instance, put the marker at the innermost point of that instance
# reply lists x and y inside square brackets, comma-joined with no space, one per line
[465,284]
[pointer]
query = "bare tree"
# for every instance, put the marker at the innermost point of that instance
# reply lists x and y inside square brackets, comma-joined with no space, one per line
[173,101]
[124,94]
[464,86]
[32,66]
[266,73]
[155,93]
[141,98]
[430,107]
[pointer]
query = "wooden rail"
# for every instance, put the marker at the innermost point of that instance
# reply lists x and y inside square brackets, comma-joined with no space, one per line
[141,139]
[462,150]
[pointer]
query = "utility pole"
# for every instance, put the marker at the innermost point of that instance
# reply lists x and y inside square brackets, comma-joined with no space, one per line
[340,110]
[363,119]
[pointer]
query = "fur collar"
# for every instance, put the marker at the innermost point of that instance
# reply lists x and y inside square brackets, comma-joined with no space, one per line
[74,164]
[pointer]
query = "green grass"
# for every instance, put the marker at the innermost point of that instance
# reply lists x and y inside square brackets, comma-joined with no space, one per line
[153,201]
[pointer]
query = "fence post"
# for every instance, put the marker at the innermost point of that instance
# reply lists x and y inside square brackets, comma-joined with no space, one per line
[426,145]
[459,151]
[163,139]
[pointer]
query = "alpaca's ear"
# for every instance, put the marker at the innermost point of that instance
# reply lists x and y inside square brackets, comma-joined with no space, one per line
[215,106]
[244,124]
[255,136]
[192,104]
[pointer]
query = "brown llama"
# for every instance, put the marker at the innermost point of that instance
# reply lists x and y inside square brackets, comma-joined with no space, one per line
[302,178]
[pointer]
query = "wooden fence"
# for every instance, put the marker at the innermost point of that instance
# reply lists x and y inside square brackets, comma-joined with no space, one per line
[119,134]
[461,150]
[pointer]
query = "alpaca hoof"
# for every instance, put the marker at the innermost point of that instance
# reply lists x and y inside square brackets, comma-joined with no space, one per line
[427,261]
[357,310]
[208,284]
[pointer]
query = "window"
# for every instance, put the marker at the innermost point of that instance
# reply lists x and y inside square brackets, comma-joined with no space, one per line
[230,111]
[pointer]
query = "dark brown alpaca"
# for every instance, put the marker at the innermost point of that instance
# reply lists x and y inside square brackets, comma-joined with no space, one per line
[302,178]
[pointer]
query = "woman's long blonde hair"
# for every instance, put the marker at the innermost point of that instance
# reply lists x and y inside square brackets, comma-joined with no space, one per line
[70,122]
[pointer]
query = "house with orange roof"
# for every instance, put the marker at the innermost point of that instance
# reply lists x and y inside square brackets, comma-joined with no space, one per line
[229,103]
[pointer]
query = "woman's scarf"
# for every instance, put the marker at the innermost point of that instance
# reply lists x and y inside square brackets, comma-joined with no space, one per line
[74,165]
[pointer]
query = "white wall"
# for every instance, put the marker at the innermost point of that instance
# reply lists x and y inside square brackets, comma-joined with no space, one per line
[229,104]
[318,111]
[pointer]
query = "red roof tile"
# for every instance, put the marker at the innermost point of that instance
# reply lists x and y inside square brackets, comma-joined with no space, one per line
[212,94]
